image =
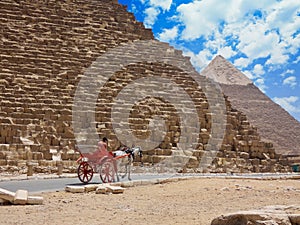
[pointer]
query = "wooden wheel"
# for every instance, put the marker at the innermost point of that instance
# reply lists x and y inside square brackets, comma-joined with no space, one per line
[107,171]
[85,172]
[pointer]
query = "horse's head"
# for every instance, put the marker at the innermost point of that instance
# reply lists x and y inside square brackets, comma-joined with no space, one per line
[137,151]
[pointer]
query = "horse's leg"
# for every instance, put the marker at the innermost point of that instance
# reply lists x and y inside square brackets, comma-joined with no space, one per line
[125,167]
[129,168]
[116,170]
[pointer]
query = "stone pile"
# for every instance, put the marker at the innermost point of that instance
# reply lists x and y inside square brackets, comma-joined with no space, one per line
[98,189]
[45,49]
[276,215]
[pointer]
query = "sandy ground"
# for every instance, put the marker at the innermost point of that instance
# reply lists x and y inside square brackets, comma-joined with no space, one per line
[195,201]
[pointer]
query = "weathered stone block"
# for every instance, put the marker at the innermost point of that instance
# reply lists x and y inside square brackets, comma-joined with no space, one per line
[35,200]
[75,189]
[7,195]
[20,197]
[115,189]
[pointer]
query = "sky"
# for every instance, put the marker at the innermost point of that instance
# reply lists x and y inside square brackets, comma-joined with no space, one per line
[259,37]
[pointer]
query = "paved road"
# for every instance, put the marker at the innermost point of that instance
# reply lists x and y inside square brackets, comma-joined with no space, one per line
[58,184]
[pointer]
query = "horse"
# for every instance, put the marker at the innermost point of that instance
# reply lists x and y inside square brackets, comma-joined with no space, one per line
[125,157]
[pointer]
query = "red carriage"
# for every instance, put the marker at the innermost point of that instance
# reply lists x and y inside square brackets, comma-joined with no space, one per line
[106,164]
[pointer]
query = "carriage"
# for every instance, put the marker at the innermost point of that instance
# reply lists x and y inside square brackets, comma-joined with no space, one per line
[110,165]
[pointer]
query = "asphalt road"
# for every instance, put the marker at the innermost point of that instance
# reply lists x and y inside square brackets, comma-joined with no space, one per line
[58,184]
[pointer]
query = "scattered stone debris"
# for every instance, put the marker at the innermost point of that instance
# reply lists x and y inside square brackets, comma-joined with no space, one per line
[275,215]
[20,197]
[99,189]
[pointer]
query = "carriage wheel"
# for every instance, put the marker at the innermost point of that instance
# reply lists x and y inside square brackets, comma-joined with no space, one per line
[107,171]
[85,172]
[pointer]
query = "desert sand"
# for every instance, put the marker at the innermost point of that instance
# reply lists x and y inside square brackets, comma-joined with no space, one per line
[193,201]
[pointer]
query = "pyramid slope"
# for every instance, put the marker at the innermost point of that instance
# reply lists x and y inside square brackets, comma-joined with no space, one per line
[224,72]
[273,122]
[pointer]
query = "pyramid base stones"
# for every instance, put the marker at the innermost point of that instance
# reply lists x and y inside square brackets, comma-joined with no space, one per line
[226,162]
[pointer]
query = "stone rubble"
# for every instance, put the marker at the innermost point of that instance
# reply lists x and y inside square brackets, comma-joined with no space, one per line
[98,189]
[20,197]
[275,215]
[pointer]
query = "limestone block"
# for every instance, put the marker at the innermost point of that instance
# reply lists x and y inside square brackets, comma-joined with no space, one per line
[231,154]
[3,162]
[75,189]
[4,202]
[255,162]
[90,187]
[102,189]
[7,195]
[198,153]
[35,200]
[244,155]
[115,189]
[21,197]
[157,158]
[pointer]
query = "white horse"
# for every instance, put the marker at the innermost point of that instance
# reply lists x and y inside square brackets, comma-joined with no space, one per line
[124,158]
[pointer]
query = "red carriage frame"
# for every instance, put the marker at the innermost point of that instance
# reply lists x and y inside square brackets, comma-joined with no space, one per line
[101,161]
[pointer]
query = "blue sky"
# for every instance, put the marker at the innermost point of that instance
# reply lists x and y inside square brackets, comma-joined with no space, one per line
[259,37]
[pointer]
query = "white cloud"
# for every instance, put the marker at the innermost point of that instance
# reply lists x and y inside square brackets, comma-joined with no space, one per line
[278,55]
[200,18]
[219,45]
[258,70]
[226,52]
[215,43]
[271,34]
[203,17]
[164,4]
[297,60]
[151,16]
[168,34]
[287,72]
[288,103]
[242,62]
[283,15]
[155,7]
[256,43]
[290,81]
[200,60]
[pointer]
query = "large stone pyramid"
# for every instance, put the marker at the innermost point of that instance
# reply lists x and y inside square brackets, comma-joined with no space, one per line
[46,49]
[274,123]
